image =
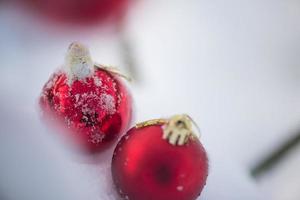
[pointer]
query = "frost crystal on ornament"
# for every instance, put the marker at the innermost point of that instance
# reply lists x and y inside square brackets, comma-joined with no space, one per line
[108,103]
[97,81]
[97,138]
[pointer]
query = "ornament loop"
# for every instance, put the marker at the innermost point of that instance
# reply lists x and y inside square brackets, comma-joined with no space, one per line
[113,70]
[195,124]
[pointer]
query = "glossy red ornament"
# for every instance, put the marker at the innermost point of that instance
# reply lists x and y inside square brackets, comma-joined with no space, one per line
[80,11]
[91,104]
[157,160]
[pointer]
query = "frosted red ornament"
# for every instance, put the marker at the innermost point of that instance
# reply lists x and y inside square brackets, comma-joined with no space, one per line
[161,160]
[89,103]
[79,11]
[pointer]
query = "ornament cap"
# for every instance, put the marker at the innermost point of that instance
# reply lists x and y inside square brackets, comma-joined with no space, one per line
[78,62]
[177,129]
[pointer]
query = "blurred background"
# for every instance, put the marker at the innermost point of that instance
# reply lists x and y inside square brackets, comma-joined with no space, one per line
[232,65]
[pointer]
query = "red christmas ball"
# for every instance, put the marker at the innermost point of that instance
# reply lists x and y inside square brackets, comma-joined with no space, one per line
[79,11]
[89,103]
[160,159]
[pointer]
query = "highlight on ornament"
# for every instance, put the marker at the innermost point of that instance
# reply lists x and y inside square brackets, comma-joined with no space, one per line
[88,103]
[160,159]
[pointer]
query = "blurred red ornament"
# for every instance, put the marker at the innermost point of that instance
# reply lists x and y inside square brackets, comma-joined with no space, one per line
[91,103]
[80,11]
[160,159]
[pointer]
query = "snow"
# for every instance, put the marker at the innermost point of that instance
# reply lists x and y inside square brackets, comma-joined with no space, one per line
[96,137]
[105,101]
[37,165]
[97,81]
[108,103]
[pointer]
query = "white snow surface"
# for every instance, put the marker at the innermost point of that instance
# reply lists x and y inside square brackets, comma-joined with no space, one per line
[35,165]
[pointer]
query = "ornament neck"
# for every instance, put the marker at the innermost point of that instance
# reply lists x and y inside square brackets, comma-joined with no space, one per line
[78,62]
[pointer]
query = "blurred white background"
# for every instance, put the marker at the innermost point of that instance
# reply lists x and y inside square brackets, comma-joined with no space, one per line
[232,65]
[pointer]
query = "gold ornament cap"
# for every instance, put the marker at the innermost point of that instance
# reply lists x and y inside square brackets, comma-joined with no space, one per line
[178,129]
